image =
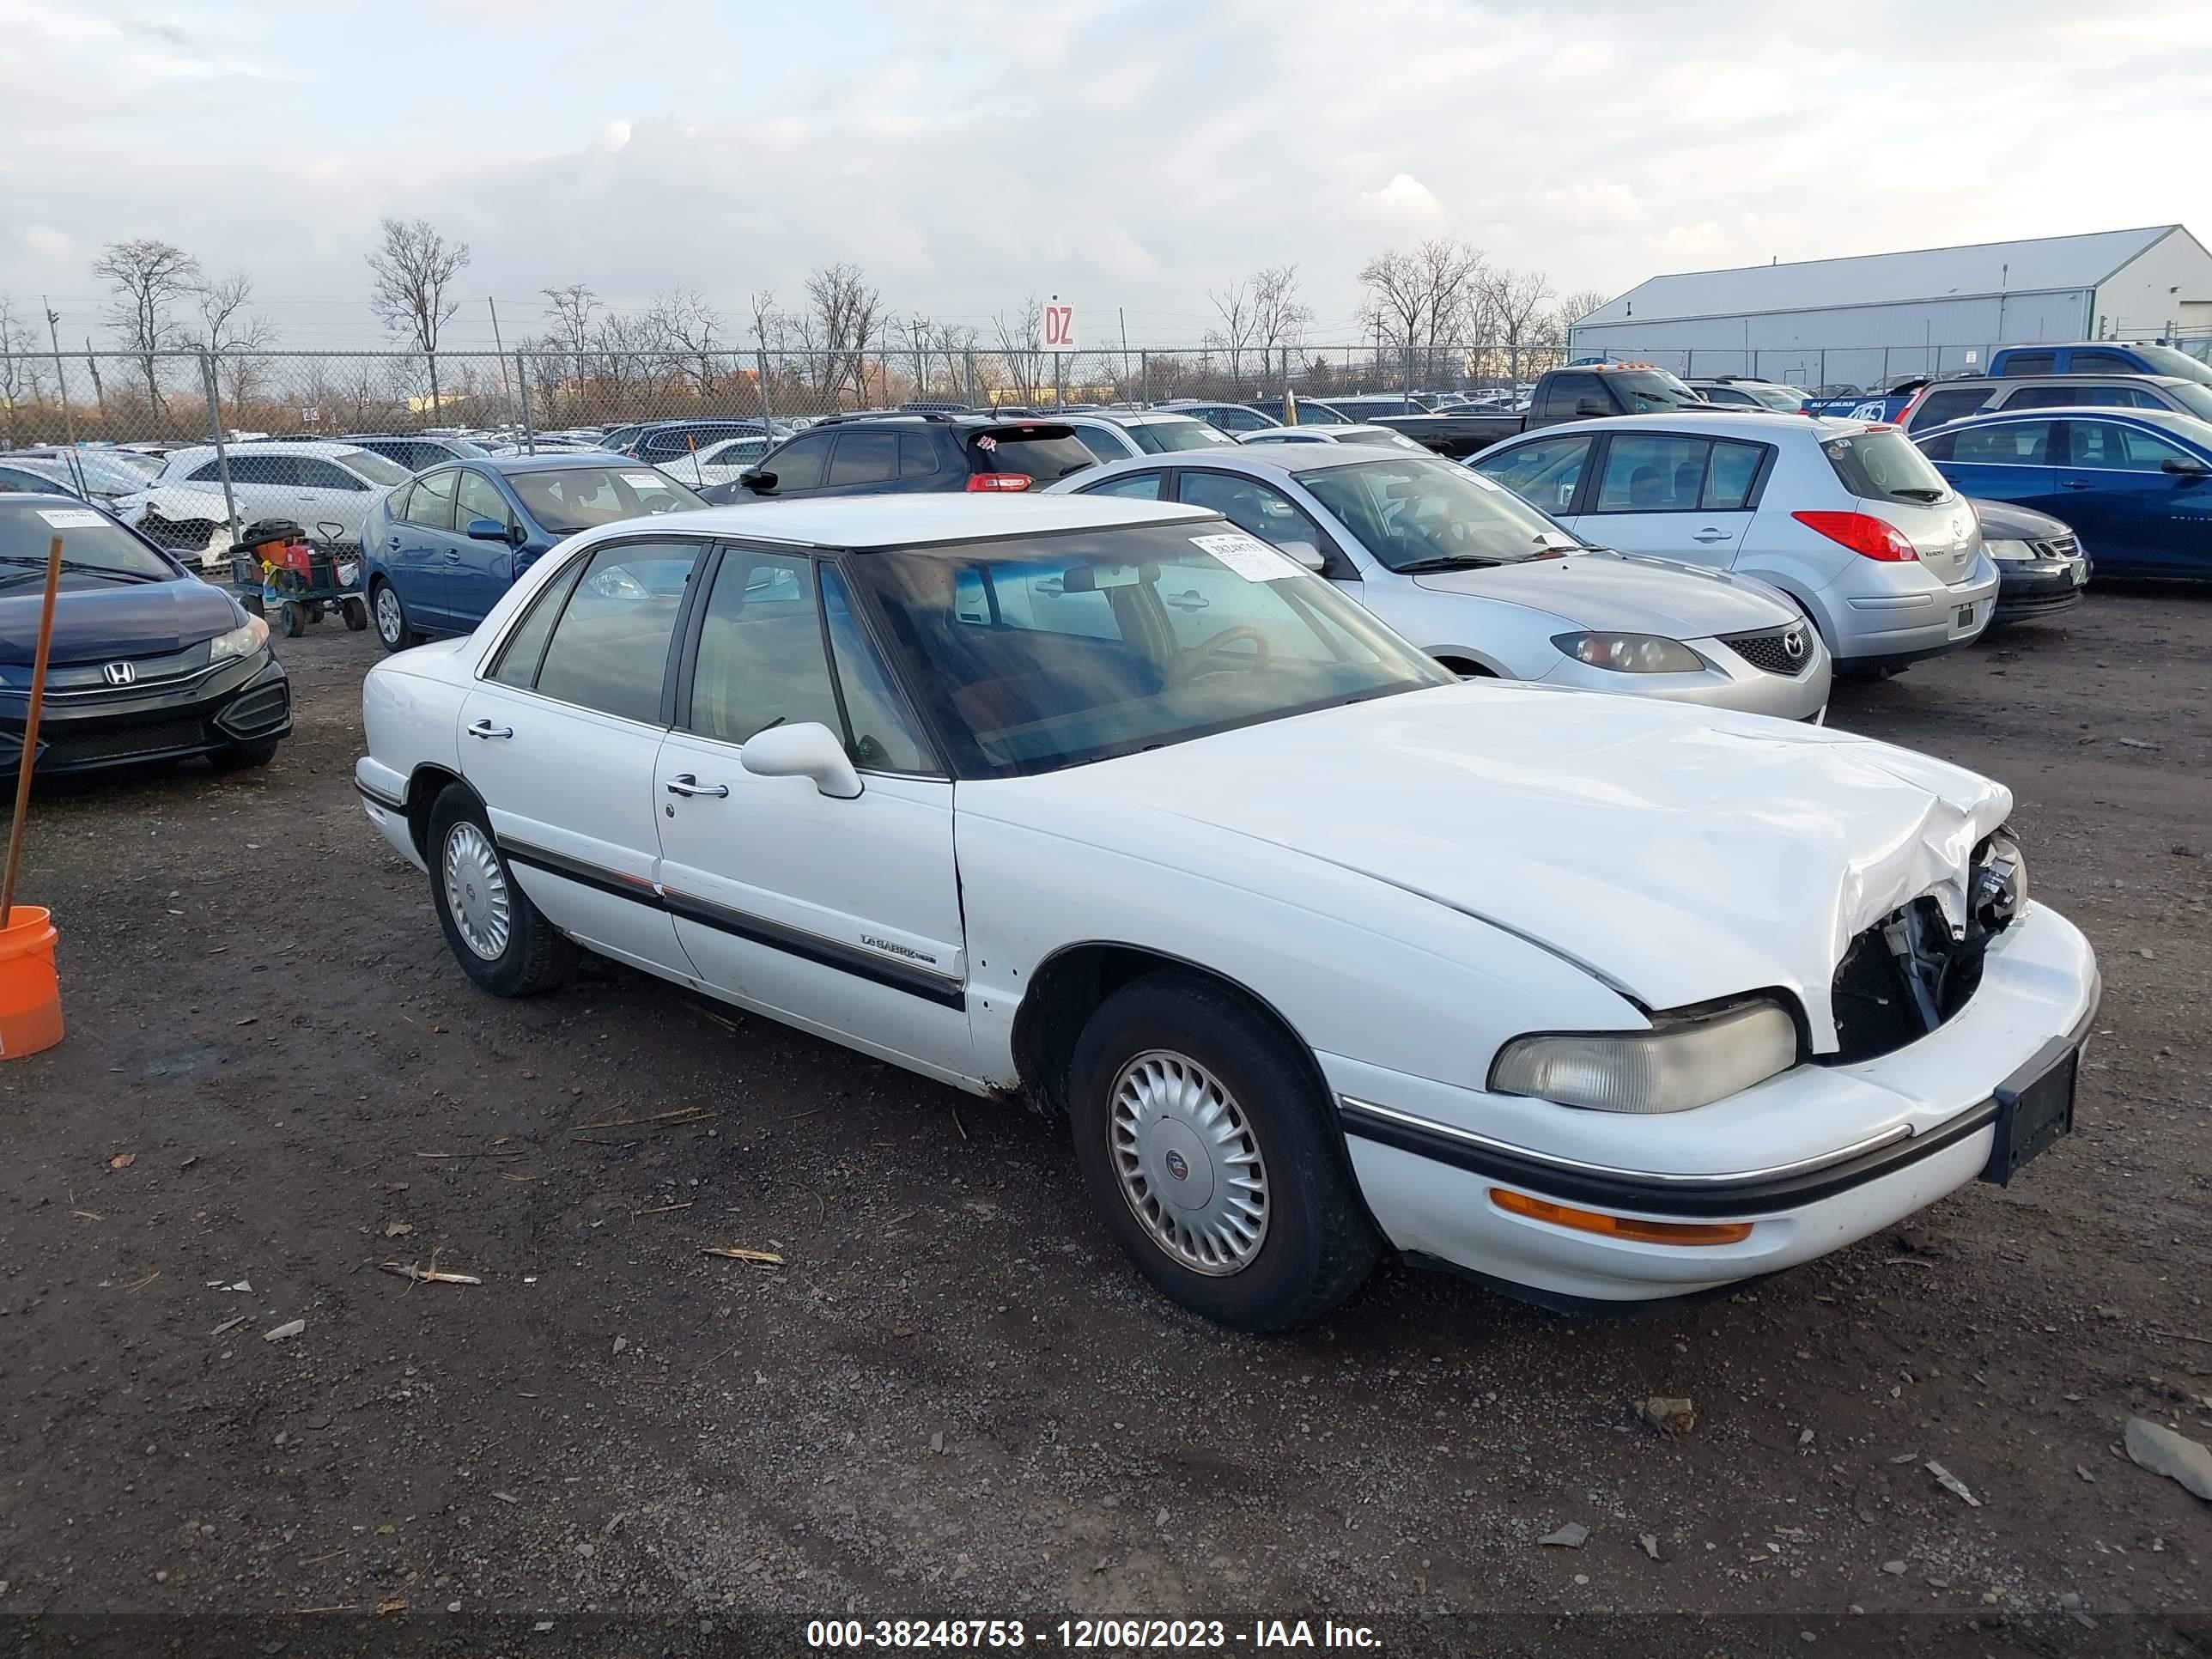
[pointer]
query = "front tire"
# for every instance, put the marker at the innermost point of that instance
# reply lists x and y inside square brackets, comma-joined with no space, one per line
[502,941]
[393,631]
[1207,1147]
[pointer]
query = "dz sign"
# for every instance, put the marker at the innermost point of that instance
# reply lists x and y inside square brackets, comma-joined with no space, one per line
[1056,330]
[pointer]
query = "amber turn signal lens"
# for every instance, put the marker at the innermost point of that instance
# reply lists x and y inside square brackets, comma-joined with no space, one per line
[1620,1226]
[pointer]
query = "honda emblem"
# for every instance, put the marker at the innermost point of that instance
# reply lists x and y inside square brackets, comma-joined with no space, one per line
[119,674]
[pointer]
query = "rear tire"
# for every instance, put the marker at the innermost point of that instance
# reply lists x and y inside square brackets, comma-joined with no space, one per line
[291,619]
[393,631]
[502,941]
[1180,1091]
[356,614]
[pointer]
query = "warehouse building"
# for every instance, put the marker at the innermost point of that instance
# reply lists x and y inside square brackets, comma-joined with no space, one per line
[1878,317]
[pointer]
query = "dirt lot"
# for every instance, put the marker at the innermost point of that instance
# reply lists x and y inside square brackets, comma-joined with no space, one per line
[954,1398]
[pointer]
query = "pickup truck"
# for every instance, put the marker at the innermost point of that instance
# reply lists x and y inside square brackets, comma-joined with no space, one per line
[2096,357]
[1584,392]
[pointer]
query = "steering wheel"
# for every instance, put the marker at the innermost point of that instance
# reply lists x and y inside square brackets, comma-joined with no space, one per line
[1196,659]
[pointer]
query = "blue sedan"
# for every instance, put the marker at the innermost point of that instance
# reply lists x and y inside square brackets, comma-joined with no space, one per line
[2134,484]
[442,548]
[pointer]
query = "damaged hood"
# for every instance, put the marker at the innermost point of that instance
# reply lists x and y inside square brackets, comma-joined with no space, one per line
[1677,854]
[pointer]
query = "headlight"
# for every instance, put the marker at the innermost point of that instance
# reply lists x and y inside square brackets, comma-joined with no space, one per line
[240,642]
[2000,881]
[1631,653]
[2008,552]
[1684,1060]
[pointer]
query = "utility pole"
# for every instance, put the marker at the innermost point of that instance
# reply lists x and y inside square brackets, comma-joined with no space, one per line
[1124,317]
[500,346]
[61,374]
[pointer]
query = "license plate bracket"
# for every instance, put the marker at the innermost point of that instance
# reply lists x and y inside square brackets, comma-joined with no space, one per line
[2035,1109]
[1965,617]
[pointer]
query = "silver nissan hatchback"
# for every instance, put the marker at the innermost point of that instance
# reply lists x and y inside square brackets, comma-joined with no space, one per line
[1846,518]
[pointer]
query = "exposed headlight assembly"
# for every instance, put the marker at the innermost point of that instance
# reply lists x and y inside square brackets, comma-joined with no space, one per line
[1684,1061]
[239,642]
[2000,882]
[1631,653]
[2008,552]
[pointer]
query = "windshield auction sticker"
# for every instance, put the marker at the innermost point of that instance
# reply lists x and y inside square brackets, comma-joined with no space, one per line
[71,518]
[642,480]
[1253,559]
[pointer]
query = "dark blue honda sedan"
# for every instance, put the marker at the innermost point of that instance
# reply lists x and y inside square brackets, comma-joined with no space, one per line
[2134,484]
[149,662]
[439,550]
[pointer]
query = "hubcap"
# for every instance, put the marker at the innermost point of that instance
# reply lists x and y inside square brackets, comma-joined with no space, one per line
[1189,1164]
[475,891]
[388,619]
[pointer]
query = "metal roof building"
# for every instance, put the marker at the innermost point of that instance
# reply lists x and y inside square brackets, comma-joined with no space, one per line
[1885,315]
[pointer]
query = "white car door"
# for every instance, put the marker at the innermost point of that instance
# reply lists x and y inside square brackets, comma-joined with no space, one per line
[260,485]
[840,915]
[562,736]
[1675,496]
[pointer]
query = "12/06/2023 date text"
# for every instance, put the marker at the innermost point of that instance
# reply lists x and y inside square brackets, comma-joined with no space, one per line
[1083,1635]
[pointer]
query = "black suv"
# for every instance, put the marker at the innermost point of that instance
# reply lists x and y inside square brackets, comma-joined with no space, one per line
[921,451]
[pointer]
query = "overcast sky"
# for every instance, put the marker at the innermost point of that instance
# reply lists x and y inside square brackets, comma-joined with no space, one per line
[1133,155]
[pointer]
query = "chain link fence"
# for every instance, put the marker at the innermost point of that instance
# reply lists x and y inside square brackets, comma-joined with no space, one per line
[173,398]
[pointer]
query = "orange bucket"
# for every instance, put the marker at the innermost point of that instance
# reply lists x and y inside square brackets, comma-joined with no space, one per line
[30,990]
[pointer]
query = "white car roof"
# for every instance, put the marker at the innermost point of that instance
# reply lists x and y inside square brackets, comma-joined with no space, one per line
[275,447]
[1719,421]
[1131,416]
[866,521]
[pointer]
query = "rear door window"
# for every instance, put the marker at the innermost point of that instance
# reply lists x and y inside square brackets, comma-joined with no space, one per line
[1653,473]
[610,649]
[2031,362]
[2016,443]
[1045,453]
[1730,474]
[2101,362]
[1134,487]
[864,458]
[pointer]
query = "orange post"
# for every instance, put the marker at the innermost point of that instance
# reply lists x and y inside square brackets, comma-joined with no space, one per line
[30,992]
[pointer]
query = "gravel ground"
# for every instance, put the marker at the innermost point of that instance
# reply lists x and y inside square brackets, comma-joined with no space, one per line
[954,1397]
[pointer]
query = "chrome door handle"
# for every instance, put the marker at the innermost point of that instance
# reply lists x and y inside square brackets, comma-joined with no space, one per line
[2075,484]
[1710,535]
[393,544]
[685,784]
[453,556]
[486,729]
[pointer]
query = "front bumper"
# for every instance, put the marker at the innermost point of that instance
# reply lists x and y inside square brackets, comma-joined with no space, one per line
[1813,1159]
[239,704]
[2029,588]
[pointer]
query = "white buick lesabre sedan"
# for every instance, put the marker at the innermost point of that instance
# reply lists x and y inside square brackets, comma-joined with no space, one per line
[1318,951]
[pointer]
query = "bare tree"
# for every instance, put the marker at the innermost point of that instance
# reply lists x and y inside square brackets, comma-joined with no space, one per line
[1238,316]
[149,278]
[1279,316]
[1019,353]
[1424,299]
[690,330]
[412,269]
[1514,302]
[844,315]
[19,374]
[232,332]
[569,315]
[1571,309]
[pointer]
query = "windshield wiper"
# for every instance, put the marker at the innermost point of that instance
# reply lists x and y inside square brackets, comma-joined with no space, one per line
[1448,561]
[80,566]
[1917,493]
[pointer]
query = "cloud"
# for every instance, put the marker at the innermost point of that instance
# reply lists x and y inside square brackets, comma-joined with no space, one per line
[44,241]
[1405,199]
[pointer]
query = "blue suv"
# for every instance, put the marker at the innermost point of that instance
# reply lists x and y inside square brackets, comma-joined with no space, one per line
[441,549]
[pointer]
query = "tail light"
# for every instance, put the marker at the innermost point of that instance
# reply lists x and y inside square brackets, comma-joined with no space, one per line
[997,481]
[1864,534]
[1905,415]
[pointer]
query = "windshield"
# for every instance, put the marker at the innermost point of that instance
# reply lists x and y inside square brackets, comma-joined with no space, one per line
[1644,390]
[1884,465]
[1161,437]
[2164,360]
[1428,514]
[2197,399]
[376,468]
[1034,655]
[1785,398]
[92,546]
[577,498]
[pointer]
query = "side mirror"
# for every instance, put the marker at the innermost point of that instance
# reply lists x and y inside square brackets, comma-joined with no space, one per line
[487,530]
[1595,406]
[2184,469]
[1303,553]
[758,481]
[808,750]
